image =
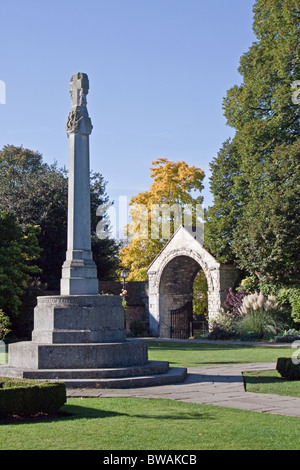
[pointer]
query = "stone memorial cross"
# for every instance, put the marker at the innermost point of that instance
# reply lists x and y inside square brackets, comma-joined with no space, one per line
[79,273]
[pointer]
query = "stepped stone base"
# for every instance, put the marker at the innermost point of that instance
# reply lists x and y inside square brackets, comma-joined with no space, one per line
[152,373]
[81,340]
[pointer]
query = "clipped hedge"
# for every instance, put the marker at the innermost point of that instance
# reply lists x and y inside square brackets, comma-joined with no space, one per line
[287,369]
[27,397]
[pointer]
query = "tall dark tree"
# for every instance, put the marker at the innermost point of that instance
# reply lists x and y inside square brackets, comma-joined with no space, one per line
[222,217]
[255,178]
[37,193]
[267,239]
[106,250]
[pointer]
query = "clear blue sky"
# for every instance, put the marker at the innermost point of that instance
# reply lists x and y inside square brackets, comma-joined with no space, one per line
[158,71]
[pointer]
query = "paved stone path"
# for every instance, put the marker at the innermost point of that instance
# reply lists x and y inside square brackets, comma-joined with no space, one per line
[215,385]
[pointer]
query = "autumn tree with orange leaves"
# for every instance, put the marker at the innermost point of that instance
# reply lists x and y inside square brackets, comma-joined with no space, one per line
[156,213]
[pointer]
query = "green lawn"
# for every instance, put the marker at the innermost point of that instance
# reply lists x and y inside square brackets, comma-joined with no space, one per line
[270,381]
[189,354]
[139,424]
[202,354]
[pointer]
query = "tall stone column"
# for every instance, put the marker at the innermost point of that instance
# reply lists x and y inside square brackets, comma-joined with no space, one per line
[79,336]
[79,272]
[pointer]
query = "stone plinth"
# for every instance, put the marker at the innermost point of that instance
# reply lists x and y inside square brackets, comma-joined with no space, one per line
[80,339]
[78,319]
[31,355]
[78,332]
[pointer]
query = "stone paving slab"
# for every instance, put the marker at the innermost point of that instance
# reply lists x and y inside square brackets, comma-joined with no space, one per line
[214,385]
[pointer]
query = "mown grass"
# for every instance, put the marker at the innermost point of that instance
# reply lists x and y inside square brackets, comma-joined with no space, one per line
[152,424]
[139,424]
[189,354]
[270,381]
[192,354]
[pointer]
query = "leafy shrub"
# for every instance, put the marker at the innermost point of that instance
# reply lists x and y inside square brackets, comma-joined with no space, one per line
[251,336]
[250,284]
[234,300]
[291,297]
[287,369]
[221,333]
[222,326]
[4,325]
[288,336]
[27,397]
[250,317]
[294,298]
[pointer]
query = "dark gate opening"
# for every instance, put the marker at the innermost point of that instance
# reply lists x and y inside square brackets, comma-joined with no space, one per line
[182,322]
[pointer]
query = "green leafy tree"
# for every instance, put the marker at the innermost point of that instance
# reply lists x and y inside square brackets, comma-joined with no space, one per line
[200,297]
[37,193]
[254,220]
[5,325]
[106,250]
[267,238]
[222,217]
[18,251]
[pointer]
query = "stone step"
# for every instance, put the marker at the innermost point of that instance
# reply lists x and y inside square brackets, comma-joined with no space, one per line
[173,375]
[129,377]
[152,367]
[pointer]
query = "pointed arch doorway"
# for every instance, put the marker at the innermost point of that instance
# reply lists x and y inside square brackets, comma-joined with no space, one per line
[171,276]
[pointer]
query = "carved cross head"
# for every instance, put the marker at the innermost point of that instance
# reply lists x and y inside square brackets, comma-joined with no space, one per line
[78,119]
[79,88]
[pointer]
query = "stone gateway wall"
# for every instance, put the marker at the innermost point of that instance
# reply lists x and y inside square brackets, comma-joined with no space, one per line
[170,284]
[171,277]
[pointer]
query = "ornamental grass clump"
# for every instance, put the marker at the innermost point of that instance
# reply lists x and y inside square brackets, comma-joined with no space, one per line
[258,301]
[260,316]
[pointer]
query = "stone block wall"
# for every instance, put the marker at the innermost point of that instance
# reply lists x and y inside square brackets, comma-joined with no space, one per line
[137,299]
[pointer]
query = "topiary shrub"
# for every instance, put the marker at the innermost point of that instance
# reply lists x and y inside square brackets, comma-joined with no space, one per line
[288,369]
[27,397]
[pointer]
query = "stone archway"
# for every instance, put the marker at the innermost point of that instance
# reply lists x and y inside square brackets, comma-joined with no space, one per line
[171,277]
